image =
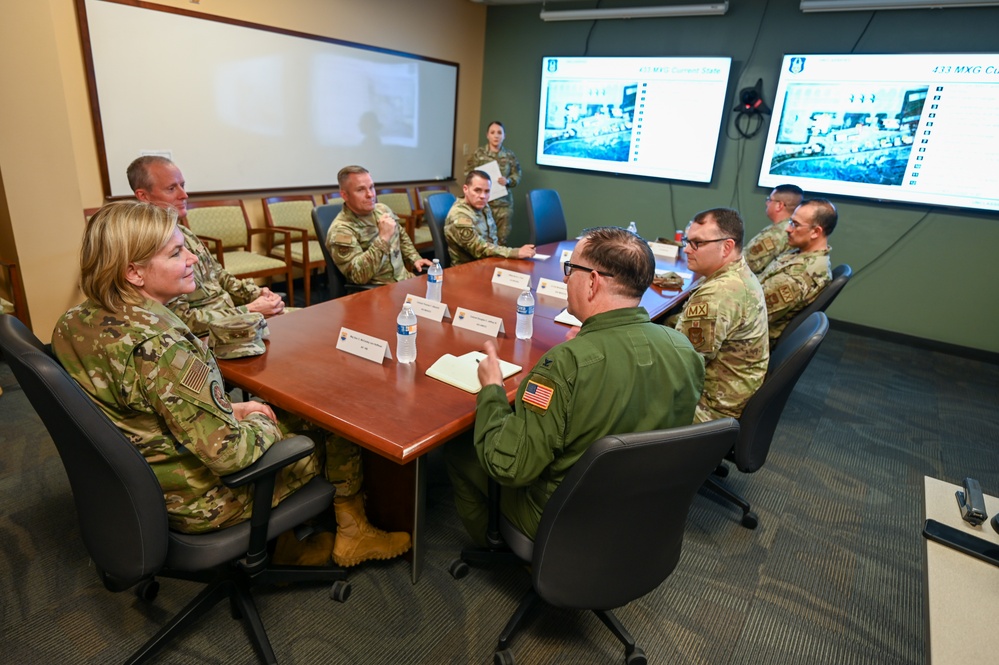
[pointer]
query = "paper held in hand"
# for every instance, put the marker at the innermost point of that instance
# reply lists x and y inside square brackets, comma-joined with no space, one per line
[463,371]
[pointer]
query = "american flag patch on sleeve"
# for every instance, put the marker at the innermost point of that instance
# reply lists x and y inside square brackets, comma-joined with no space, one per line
[538,395]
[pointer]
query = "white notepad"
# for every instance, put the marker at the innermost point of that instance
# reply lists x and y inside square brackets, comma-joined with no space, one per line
[463,371]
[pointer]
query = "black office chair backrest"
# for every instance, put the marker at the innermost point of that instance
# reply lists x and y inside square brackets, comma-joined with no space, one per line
[613,529]
[788,362]
[322,220]
[438,206]
[119,503]
[840,276]
[545,218]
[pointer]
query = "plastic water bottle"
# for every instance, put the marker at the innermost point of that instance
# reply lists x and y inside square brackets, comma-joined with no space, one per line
[405,335]
[633,228]
[435,280]
[525,315]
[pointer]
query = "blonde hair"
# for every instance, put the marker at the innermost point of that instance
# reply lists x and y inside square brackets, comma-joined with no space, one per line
[117,235]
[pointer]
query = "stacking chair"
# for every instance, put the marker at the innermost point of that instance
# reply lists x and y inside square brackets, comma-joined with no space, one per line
[12,281]
[294,214]
[545,218]
[333,197]
[613,530]
[225,227]
[437,208]
[122,513]
[322,220]
[840,276]
[759,419]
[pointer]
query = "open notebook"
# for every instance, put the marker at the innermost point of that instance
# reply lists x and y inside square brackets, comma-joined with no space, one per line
[462,371]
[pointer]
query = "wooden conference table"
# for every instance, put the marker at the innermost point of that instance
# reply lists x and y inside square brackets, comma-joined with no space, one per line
[392,409]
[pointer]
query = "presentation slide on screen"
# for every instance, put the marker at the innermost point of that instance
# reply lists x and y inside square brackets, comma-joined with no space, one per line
[657,117]
[912,128]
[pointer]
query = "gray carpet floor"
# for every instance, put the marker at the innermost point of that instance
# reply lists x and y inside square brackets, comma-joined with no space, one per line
[833,575]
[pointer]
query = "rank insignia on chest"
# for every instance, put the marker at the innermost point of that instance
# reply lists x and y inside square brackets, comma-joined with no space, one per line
[546,362]
[538,396]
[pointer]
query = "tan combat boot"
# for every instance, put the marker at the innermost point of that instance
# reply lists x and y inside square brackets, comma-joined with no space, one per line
[357,540]
[314,550]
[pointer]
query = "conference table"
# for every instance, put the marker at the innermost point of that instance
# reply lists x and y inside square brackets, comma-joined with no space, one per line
[394,411]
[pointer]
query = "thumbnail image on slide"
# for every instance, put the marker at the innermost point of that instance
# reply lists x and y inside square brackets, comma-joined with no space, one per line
[590,119]
[853,132]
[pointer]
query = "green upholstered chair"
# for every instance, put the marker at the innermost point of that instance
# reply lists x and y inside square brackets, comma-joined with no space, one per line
[401,203]
[224,227]
[294,214]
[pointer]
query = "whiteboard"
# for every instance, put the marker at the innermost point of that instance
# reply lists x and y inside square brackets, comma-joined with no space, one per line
[243,107]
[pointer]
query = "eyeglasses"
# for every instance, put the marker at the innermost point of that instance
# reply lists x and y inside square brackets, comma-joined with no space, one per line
[696,244]
[797,225]
[567,268]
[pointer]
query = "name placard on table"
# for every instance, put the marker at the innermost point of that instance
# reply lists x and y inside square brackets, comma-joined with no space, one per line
[518,280]
[566,255]
[552,288]
[478,322]
[663,250]
[428,309]
[363,346]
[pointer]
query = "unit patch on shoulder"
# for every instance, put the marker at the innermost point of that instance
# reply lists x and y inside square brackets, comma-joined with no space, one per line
[195,376]
[696,309]
[786,293]
[220,398]
[537,396]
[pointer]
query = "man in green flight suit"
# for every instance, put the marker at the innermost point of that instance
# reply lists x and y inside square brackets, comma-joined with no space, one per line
[366,240]
[469,228]
[618,373]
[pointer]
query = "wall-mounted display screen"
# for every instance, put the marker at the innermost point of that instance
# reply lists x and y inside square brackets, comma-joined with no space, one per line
[917,128]
[656,117]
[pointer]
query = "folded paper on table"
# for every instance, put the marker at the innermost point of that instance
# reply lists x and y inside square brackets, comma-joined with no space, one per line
[463,371]
[565,317]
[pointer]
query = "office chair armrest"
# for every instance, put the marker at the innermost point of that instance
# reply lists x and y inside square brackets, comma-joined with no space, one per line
[278,456]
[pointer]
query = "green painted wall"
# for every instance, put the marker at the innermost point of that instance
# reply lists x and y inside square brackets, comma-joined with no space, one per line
[932,275]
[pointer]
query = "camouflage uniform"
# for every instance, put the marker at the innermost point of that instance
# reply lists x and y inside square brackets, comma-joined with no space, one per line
[621,373]
[791,282]
[161,386]
[471,234]
[218,293]
[726,321]
[362,256]
[509,167]
[766,246]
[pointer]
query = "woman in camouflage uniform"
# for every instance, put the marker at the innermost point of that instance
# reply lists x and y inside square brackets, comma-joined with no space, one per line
[509,167]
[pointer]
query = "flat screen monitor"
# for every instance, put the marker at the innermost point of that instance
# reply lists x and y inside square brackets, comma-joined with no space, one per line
[913,128]
[655,117]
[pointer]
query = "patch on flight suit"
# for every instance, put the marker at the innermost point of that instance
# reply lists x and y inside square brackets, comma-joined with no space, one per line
[538,395]
[465,233]
[786,293]
[696,336]
[195,376]
[771,299]
[220,398]
[546,362]
[768,244]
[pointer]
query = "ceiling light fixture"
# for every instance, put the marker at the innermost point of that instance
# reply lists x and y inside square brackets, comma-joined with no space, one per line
[708,9]
[875,5]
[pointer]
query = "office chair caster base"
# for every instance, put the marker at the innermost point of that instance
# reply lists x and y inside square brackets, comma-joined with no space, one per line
[750,521]
[636,657]
[147,590]
[340,591]
[458,569]
[503,657]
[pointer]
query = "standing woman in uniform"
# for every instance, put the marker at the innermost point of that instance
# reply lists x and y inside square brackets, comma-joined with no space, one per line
[509,167]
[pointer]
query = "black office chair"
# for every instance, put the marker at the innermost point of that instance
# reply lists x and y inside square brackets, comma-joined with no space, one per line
[613,530]
[123,518]
[437,208]
[763,410]
[546,221]
[840,276]
[322,219]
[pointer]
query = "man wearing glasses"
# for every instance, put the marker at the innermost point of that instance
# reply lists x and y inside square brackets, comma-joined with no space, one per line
[725,317]
[771,242]
[620,373]
[795,278]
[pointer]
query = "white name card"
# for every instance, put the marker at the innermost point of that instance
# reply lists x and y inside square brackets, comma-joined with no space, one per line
[664,251]
[518,280]
[549,287]
[428,309]
[481,323]
[566,255]
[565,317]
[541,257]
[365,346]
